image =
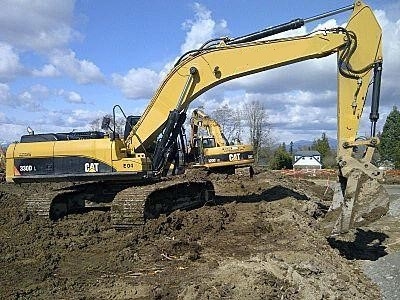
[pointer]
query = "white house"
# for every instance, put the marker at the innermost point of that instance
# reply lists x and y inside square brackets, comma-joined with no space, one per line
[307,160]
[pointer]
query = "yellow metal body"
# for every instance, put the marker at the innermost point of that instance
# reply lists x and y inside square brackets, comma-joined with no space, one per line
[88,152]
[234,154]
[208,67]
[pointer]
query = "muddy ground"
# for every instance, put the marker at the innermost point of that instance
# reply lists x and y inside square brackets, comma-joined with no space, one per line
[259,240]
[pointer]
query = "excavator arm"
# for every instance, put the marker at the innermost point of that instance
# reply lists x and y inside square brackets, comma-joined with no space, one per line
[359,52]
[201,120]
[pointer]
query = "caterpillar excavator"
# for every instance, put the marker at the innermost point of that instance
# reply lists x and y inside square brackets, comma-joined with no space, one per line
[210,149]
[127,171]
[2,164]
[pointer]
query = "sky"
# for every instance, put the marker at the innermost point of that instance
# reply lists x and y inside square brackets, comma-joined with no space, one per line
[65,63]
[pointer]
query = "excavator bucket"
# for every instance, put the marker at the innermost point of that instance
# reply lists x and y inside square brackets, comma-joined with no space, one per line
[357,201]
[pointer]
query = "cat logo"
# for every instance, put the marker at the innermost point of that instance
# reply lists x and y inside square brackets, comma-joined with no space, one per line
[91,167]
[234,156]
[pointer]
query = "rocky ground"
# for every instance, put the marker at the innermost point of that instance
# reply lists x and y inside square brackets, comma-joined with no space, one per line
[259,240]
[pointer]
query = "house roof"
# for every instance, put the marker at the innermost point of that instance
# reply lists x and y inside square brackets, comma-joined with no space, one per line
[307,153]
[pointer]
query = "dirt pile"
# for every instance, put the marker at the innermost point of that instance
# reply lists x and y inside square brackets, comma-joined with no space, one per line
[259,240]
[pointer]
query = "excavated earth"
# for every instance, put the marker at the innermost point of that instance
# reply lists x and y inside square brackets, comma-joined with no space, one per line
[259,239]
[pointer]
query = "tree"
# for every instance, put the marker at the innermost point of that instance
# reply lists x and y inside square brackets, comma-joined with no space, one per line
[259,128]
[322,146]
[291,148]
[281,159]
[230,121]
[389,148]
[119,124]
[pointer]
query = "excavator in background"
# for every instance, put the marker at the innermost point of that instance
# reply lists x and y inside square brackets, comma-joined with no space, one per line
[2,165]
[209,148]
[126,172]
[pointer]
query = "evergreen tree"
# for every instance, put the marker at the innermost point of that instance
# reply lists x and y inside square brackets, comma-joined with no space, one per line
[389,148]
[322,146]
[281,159]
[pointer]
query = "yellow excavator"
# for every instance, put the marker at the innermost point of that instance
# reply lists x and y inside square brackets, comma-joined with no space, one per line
[127,170]
[209,148]
[2,164]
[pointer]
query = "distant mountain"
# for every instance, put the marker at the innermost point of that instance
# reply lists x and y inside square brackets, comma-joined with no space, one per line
[304,144]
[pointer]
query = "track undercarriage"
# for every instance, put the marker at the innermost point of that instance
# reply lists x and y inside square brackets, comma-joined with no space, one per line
[130,204]
[358,201]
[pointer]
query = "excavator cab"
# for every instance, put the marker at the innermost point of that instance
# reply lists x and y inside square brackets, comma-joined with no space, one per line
[208,142]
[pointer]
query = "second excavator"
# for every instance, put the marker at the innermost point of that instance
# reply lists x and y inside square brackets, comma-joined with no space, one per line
[2,164]
[210,149]
[126,170]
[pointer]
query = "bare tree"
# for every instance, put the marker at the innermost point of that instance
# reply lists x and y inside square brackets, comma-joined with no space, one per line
[259,128]
[95,124]
[230,121]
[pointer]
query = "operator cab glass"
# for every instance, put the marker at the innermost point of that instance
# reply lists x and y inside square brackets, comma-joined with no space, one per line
[208,142]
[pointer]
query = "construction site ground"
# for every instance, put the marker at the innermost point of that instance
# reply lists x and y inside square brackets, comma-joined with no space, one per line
[259,239]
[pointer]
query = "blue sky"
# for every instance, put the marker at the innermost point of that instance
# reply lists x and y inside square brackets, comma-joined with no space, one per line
[65,63]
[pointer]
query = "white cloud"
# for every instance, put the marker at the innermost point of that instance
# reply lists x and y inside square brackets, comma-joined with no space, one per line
[9,61]
[3,118]
[5,95]
[74,97]
[64,120]
[391,59]
[45,28]
[40,91]
[46,71]
[71,96]
[137,83]
[201,29]
[83,71]
[10,131]
[30,99]
[141,83]
[37,25]
[50,121]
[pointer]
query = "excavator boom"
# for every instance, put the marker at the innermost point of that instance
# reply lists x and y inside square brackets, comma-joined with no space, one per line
[206,69]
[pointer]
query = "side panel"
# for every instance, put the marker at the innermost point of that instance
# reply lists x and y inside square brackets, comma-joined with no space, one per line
[74,160]
[82,156]
[32,159]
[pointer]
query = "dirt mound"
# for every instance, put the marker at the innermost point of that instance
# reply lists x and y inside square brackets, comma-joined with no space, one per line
[258,240]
